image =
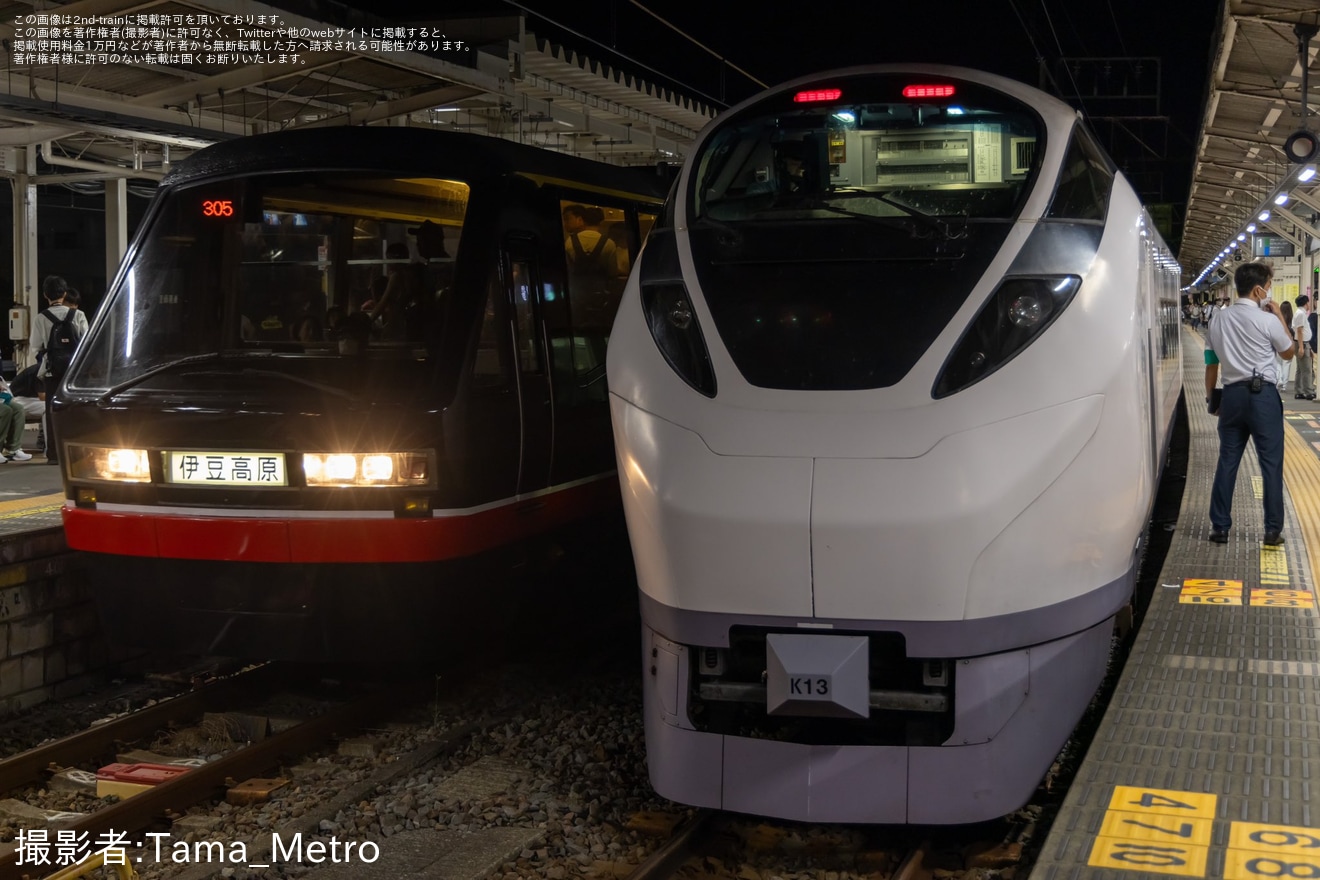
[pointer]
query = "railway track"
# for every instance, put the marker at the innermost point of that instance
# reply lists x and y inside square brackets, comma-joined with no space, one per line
[711,845]
[201,783]
[94,742]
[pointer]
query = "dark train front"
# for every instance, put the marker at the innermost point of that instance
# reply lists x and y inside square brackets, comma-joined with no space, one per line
[322,408]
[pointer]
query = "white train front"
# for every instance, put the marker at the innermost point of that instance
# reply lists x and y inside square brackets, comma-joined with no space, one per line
[890,388]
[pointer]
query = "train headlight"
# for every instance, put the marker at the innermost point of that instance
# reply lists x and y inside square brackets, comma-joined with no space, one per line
[366,469]
[670,316]
[1026,311]
[674,327]
[1015,314]
[109,463]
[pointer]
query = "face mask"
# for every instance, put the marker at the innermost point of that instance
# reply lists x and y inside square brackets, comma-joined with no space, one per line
[1266,298]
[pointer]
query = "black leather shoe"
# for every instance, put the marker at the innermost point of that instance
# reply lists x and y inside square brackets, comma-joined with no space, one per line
[1272,539]
[1218,537]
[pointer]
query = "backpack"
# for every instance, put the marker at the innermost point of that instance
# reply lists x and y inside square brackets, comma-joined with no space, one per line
[1311,320]
[62,342]
[591,271]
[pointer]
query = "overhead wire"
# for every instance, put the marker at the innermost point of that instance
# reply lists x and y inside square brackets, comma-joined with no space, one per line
[698,44]
[1031,38]
[1118,31]
[1077,91]
[692,90]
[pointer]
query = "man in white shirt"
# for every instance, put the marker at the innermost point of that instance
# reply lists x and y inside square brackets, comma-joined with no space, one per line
[1301,331]
[1242,341]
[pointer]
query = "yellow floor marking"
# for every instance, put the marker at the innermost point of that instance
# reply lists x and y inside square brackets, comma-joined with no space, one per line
[1256,851]
[1165,829]
[1258,485]
[1163,802]
[1301,474]
[45,502]
[1282,598]
[1157,858]
[1245,864]
[1210,592]
[1274,567]
[1285,839]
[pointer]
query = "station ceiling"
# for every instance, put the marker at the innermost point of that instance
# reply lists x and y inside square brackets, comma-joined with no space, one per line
[1255,104]
[133,120]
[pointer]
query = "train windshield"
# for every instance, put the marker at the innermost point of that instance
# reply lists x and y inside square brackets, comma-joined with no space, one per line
[837,229]
[884,147]
[339,280]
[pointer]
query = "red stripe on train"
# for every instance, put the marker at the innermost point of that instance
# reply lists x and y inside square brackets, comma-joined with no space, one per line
[327,540]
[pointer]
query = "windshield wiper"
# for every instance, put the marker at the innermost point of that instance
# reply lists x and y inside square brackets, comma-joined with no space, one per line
[158,369]
[728,235]
[319,386]
[246,371]
[942,227]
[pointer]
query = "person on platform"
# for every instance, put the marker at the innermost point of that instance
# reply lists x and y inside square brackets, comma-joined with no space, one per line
[1241,343]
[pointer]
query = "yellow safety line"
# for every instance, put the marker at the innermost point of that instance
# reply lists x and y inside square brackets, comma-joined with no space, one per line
[36,504]
[1301,473]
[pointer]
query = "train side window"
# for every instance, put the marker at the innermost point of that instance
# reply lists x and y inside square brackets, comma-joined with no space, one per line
[1085,180]
[530,357]
[598,252]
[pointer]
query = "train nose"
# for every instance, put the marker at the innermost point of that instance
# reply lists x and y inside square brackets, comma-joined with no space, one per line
[839,538]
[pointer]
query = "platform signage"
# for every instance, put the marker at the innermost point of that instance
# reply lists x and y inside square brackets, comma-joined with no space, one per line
[1155,830]
[1170,832]
[1199,591]
[1273,598]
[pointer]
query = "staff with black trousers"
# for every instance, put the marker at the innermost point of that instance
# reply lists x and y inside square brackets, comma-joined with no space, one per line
[1242,341]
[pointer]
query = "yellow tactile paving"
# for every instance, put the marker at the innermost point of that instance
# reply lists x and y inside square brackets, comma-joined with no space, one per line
[32,505]
[1301,474]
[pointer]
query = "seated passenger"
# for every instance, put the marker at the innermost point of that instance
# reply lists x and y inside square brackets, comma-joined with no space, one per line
[13,419]
[27,390]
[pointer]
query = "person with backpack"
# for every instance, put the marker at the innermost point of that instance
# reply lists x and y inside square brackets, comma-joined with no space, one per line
[592,262]
[56,332]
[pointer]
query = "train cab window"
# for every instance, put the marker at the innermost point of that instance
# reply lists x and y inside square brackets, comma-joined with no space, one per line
[318,265]
[1085,180]
[836,228]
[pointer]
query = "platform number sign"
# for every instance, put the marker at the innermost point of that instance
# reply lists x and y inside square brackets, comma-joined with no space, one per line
[1170,832]
[1268,851]
[1197,591]
[1158,831]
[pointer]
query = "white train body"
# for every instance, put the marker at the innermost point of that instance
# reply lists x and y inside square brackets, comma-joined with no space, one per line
[879,558]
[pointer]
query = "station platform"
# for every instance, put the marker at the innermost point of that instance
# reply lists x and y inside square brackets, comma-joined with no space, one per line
[31,495]
[1207,760]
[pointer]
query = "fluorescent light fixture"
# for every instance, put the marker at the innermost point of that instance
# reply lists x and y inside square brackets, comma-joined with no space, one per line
[444,109]
[1264,215]
[1251,227]
[1242,237]
[1307,173]
[1281,199]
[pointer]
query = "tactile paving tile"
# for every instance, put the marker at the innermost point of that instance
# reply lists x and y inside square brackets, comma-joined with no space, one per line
[32,520]
[1215,721]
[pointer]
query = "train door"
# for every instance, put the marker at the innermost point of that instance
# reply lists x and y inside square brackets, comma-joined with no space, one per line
[600,244]
[531,370]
